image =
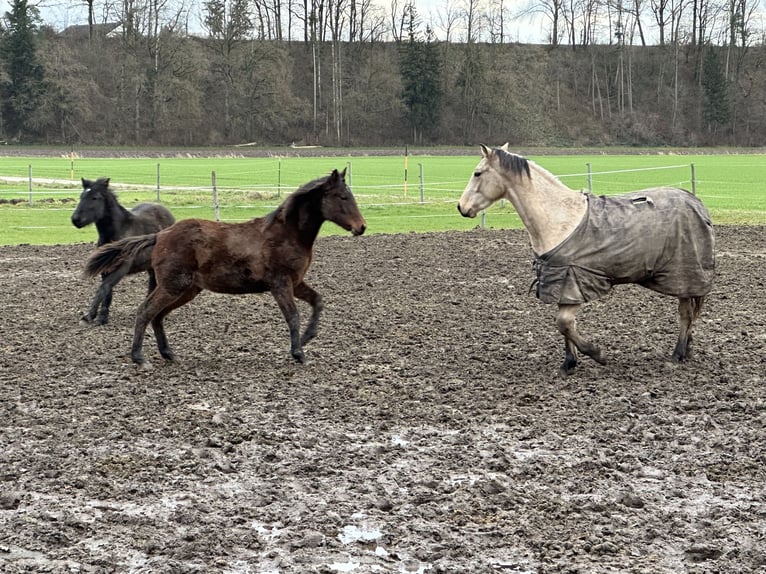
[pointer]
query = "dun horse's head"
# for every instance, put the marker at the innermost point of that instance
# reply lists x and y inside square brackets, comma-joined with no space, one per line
[339,205]
[92,205]
[486,185]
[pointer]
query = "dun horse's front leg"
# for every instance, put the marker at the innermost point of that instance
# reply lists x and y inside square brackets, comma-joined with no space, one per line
[565,321]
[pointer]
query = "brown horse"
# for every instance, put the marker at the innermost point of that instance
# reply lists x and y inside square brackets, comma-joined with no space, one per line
[660,238]
[271,253]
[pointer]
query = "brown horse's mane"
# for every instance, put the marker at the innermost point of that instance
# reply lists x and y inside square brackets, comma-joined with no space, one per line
[295,200]
[512,162]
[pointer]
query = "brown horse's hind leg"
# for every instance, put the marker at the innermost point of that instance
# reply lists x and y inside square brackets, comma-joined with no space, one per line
[154,308]
[689,309]
[305,293]
[565,321]
[159,327]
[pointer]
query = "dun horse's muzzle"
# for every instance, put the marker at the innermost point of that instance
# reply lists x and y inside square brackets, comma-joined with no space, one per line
[464,213]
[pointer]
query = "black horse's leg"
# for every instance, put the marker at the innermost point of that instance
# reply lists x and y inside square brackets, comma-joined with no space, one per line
[306,293]
[283,294]
[689,309]
[565,321]
[103,297]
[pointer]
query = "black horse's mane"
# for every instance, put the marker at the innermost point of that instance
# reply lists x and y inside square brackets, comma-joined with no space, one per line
[512,162]
[295,200]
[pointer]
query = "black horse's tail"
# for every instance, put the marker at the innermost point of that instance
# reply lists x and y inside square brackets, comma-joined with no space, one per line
[133,251]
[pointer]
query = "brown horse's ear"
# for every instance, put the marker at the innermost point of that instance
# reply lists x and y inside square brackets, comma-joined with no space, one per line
[343,173]
[85,182]
[485,151]
[105,180]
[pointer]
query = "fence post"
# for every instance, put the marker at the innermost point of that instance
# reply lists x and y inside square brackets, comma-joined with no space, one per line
[422,183]
[590,179]
[483,219]
[158,181]
[215,199]
[694,181]
[31,200]
[349,175]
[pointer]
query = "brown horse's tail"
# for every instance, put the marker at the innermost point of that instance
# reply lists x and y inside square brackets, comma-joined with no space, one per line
[133,251]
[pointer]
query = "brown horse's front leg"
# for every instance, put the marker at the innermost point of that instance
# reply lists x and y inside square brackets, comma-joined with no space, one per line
[565,321]
[283,295]
[306,293]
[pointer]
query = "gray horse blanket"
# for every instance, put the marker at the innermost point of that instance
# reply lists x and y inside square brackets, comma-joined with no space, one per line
[661,239]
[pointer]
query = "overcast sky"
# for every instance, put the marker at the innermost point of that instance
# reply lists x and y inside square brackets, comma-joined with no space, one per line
[63,13]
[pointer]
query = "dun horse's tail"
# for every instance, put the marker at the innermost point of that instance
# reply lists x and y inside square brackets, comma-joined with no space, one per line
[696,303]
[133,251]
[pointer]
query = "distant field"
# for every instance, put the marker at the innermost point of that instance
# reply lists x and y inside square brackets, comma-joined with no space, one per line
[732,186]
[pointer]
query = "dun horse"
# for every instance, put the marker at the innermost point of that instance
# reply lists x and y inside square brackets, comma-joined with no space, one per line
[99,205]
[271,253]
[660,238]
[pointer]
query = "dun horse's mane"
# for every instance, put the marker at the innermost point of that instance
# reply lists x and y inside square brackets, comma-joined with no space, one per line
[295,200]
[512,162]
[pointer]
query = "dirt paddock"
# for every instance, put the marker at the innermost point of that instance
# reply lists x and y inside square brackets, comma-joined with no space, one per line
[428,432]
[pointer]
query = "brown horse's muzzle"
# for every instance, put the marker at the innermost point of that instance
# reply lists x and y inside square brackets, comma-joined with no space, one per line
[359,229]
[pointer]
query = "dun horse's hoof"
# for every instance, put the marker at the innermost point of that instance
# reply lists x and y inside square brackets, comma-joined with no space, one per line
[598,356]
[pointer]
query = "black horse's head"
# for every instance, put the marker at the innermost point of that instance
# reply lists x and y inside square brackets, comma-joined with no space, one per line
[93,202]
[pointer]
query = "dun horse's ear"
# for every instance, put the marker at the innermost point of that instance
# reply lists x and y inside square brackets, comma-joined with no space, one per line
[504,147]
[485,151]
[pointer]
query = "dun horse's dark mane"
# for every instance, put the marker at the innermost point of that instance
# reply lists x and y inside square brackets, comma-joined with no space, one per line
[295,200]
[512,162]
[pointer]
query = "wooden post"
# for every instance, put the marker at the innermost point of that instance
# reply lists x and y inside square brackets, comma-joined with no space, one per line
[215,200]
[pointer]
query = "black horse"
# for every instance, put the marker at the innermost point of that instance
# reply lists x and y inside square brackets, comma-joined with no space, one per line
[98,204]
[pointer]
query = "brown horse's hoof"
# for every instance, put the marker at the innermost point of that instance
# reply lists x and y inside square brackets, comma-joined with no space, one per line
[565,371]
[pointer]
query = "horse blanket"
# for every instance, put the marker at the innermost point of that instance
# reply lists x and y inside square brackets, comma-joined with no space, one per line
[661,239]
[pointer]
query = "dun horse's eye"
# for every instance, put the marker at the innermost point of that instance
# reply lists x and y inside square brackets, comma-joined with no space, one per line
[476,173]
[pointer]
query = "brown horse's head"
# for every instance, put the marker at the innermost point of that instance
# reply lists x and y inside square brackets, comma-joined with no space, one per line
[339,205]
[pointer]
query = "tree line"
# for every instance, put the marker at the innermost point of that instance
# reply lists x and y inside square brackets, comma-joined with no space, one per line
[348,73]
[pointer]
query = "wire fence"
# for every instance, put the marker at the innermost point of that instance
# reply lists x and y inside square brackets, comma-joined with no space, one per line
[421,201]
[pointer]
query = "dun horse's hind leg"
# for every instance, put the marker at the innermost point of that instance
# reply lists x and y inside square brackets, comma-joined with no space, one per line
[565,321]
[305,293]
[689,309]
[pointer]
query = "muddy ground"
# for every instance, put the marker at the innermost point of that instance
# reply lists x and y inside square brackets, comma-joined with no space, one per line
[428,432]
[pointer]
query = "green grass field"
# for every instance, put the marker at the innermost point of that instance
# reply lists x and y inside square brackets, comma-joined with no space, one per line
[732,187]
